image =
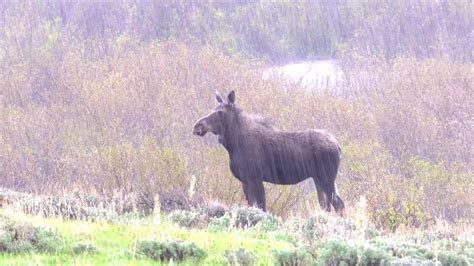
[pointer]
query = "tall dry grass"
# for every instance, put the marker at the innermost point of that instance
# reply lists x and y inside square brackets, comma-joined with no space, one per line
[95,114]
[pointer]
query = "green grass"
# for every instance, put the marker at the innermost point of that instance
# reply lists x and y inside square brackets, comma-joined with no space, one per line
[116,243]
[329,239]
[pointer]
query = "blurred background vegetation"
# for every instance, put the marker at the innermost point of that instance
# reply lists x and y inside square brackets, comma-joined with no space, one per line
[101,96]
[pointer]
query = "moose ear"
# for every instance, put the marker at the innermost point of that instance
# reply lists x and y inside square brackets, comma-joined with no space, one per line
[231,97]
[219,97]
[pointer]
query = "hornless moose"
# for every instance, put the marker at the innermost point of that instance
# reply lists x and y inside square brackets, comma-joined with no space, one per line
[258,152]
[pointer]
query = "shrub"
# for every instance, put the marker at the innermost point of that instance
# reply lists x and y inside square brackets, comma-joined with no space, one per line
[410,261]
[177,200]
[337,252]
[219,224]
[412,250]
[314,228]
[213,210]
[372,255]
[80,248]
[17,238]
[293,257]
[249,217]
[371,232]
[188,219]
[451,258]
[240,257]
[165,251]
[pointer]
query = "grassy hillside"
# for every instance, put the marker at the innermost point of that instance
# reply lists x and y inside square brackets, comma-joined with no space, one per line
[235,235]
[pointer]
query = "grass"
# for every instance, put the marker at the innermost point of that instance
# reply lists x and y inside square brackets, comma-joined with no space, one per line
[116,243]
[323,239]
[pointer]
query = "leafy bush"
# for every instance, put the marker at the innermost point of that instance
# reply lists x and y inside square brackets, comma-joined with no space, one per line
[219,224]
[249,217]
[213,210]
[337,252]
[80,248]
[372,255]
[314,228]
[452,258]
[188,219]
[412,250]
[173,200]
[243,217]
[17,238]
[240,257]
[318,227]
[165,251]
[410,261]
[294,257]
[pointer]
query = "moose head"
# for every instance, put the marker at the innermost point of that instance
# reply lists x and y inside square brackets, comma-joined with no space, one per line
[219,118]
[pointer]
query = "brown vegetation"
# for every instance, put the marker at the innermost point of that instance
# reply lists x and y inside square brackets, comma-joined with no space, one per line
[94,115]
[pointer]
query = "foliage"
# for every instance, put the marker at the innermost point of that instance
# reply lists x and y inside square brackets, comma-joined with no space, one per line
[84,247]
[313,228]
[249,217]
[240,257]
[219,224]
[292,257]
[337,252]
[171,251]
[100,242]
[276,30]
[213,210]
[188,219]
[23,237]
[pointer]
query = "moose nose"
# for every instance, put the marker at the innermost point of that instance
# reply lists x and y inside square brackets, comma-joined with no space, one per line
[198,129]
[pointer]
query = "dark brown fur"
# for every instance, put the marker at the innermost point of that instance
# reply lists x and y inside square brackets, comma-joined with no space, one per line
[259,152]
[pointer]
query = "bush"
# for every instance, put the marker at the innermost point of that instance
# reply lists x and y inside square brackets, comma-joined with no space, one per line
[178,200]
[410,261]
[18,238]
[412,250]
[187,219]
[220,224]
[240,257]
[165,251]
[451,258]
[213,210]
[314,228]
[372,255]
[249,217]
[294,257]
[81,248]
[337,252]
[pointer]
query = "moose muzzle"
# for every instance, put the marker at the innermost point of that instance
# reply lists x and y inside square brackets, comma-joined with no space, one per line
[200,129]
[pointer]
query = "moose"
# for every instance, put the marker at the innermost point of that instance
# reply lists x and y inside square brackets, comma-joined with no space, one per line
[260,153]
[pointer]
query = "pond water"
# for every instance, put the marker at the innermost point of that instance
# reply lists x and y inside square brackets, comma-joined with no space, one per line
[310,74]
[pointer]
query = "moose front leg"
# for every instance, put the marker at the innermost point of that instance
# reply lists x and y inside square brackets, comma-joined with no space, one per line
[246,191]
[255,193]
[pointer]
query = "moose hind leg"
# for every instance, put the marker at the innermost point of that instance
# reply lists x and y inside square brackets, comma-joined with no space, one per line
[336,200]
[323,199]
